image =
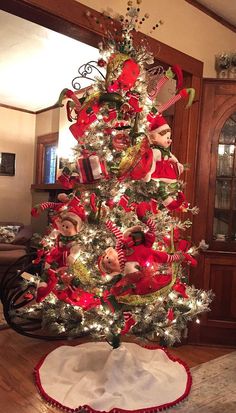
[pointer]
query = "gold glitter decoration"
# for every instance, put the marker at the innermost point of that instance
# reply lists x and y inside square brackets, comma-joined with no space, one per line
[130,160]
[82,273]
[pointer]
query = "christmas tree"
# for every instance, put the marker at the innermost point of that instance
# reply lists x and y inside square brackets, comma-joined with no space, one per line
[116,260]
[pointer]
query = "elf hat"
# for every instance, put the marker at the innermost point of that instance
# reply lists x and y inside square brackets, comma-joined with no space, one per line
[56,206]
[75,207]
[158,123]
[76,212]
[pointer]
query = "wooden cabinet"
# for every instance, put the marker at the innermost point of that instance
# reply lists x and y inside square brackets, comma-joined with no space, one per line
[216,222]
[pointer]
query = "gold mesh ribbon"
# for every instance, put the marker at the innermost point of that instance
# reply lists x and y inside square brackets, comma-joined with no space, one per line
[133,299]
[82,273]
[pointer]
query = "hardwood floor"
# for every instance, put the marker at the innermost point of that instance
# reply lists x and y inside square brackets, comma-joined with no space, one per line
[20,354]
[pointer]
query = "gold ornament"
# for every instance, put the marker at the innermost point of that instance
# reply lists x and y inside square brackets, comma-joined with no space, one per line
[130,160]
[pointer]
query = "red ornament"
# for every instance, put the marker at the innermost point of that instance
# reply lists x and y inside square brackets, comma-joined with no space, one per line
[86,116]
[129,323]
[46,288]
[170,314]
[129,72]
[28,296]
[180,288]
[110,203]
[101,63]
[121,142]
[112,114]
[133,99]
[65,180]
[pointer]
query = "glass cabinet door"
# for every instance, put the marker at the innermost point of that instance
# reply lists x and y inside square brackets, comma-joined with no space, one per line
[224,228]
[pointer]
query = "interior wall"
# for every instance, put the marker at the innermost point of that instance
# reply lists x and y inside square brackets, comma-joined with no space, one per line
[185,28]
[47,122]
[17,131]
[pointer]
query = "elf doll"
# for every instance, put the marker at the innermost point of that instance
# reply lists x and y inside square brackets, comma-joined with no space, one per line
[165,168]
[135,258]
[66,250]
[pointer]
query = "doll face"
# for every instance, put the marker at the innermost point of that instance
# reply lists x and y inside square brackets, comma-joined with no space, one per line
[110,262]
[162,138]
[68,228]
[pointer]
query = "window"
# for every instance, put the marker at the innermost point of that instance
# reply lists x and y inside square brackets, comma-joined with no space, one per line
[46,161]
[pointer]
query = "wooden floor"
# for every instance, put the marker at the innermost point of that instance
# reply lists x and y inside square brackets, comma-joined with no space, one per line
[19,355]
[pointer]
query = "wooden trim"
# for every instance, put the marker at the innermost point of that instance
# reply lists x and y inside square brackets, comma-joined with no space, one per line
[212,14]
[169,55]
[185,136]
[71,19]
[46,187]
[15,108]
[48,108]
[29,111]
[217,80]
[79,92]
[66,18]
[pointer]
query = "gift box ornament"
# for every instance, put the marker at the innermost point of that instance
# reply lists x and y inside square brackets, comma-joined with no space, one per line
[91,168]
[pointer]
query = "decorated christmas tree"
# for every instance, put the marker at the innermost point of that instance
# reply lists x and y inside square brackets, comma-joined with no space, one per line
[116,260]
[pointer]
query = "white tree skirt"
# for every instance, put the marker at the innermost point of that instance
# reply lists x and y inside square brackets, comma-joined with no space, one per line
[100,379]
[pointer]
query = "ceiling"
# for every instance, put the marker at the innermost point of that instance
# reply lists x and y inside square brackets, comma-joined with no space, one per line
[37,63]
[225,9]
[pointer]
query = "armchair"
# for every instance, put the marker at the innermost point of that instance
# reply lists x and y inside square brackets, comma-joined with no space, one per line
[16,246]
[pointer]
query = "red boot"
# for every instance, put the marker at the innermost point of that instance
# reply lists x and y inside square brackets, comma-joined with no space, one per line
[45,288]
[176,204]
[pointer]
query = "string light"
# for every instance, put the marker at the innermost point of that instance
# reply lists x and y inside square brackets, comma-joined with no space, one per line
[93,241]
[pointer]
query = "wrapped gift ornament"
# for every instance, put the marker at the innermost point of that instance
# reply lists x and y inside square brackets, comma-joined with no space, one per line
[91,168]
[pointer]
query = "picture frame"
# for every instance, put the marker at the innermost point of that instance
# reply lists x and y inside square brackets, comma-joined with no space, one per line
[7,163]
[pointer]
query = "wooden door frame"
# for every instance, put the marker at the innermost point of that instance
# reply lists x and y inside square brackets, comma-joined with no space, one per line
[212,120]
[70,18]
